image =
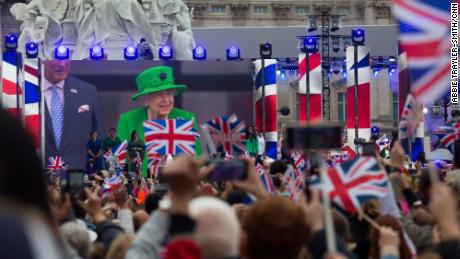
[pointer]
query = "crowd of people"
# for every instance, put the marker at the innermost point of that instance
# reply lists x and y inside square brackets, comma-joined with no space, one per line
[184,214]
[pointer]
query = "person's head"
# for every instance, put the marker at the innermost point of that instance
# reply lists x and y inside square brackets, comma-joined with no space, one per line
[256,130]
[217,230]
[134,136]
[392,222]
[424,184]
[160,103]
[139,218]
[93,135]
[77,236]
[156,86]
[120,246]
[277,169]
[274,228]
[21,175]
[56,70]
[249,131]
[112,132]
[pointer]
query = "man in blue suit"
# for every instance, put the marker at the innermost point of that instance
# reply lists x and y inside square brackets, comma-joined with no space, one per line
[72,111]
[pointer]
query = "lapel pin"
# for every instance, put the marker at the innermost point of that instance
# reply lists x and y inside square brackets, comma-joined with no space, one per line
[74,91]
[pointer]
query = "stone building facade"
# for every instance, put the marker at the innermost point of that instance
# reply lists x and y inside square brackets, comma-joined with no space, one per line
[257,13]
[279,13]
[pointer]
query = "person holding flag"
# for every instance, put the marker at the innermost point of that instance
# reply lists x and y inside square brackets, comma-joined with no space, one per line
[156,90]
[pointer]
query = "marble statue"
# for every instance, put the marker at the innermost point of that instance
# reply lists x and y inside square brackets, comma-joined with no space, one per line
[109,22]
[173,23]
[40,24]
[84,22]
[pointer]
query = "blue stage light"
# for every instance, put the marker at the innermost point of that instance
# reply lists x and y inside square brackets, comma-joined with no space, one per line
[376,71]
[310,45]
[391,70]
[61,52]
[265,50]
[358,36]
[131,52]
[199,53]
[165,52]
[233,53]
[96,53]
[31,50]
[375,130]
[11,41]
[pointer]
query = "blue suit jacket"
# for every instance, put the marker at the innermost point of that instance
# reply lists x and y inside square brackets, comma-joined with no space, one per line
[77,126]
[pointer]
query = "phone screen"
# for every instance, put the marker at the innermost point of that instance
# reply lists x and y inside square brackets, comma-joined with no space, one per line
[314,137]
[230,170]
[73,181]
[368,149]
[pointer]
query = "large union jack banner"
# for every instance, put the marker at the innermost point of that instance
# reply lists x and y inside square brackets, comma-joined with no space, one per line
[173,137]
[447,135]
[354,182]
[227,133]
[424,36]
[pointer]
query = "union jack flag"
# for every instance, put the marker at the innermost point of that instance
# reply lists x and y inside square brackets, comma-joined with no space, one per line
[55,164]
[298,161]
[354,182]
[339,157]
[266,180]
[295,181]
[227,133]
[120,152]
[424,36]
[447,135]
[155,161]
[170,136]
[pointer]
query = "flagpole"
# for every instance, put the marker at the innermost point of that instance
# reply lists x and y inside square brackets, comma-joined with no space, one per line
[355,50]
[254,97]
[42,112]
[328,222]
[307,87]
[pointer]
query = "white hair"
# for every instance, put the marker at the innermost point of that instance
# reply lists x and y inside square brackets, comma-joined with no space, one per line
[76,236]
[218,230]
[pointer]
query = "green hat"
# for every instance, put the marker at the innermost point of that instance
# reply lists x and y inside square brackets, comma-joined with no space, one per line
[156,79]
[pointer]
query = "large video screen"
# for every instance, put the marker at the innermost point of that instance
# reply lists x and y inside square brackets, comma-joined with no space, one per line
[83,97]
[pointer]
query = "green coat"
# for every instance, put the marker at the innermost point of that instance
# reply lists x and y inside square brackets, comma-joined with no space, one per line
[134,120]
[252,145]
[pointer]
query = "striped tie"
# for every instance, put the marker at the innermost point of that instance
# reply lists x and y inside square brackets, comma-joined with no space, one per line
[57,115]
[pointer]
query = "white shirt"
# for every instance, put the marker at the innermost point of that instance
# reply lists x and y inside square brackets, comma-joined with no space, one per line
[261,142]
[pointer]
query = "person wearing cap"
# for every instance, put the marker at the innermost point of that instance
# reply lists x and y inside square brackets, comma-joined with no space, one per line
[156,90]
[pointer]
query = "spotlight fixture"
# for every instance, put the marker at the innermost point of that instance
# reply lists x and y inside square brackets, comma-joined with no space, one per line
[131,52]
[166,52]
[310,45]
[266,50]
[375,131]
[391,70]
[31,50]
[233,53]
[335,23]
[96,53]
[11,41]
[336,67]
[335,42]
[376,71]
[61,52]
[313,25]
[199,53]
[391,59]
[357,36]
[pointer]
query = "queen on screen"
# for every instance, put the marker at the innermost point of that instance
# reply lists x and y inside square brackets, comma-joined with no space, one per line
[156,89]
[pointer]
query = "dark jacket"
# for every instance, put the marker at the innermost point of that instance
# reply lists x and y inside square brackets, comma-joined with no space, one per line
[77,123]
